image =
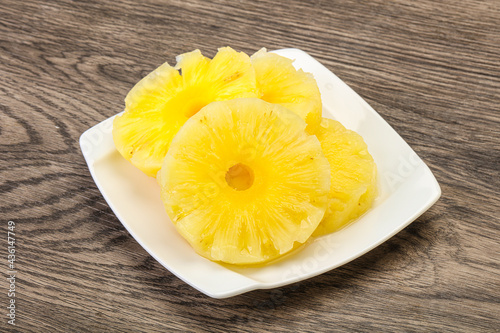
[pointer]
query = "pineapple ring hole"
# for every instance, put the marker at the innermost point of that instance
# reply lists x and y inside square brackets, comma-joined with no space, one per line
[194,107]
[240,177]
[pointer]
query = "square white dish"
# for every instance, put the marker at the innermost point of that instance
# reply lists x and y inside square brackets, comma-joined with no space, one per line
[407,188]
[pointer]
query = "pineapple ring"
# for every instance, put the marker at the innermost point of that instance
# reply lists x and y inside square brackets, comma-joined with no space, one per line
[353,176]
[243,181]
[158,106]
[280,83]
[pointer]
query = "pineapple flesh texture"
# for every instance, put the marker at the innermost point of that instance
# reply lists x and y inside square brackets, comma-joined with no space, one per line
[158,106]
[243,181]
[353,176]
[280,83]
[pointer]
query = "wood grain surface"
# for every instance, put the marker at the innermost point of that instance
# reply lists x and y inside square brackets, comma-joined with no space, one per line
[430,68]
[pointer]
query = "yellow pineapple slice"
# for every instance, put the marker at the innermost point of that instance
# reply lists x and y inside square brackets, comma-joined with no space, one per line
[158,106]
[243,181]
[353,175]
[280,83]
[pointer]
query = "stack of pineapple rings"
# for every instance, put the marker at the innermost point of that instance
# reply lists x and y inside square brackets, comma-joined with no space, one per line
[247,166]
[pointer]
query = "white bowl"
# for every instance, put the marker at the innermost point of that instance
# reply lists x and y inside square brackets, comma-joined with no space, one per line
[407,188]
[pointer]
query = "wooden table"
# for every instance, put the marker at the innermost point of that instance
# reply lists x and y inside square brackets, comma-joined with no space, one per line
[430,68]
